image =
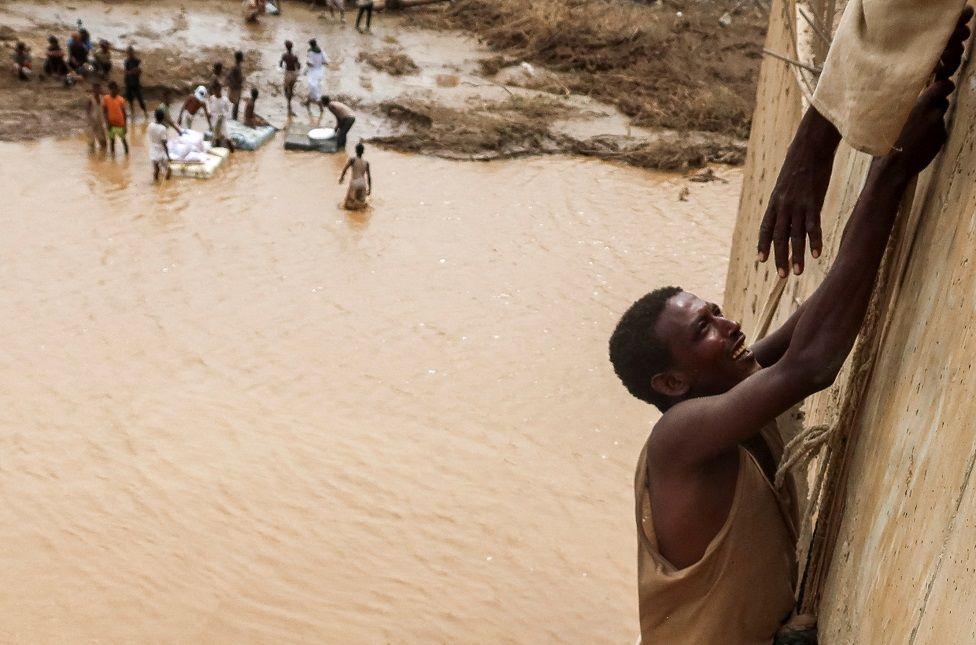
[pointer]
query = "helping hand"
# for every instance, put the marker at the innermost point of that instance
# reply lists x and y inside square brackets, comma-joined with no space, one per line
[794,207]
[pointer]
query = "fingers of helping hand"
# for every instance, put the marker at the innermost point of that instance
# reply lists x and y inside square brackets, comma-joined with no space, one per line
[937,92]
[781,243]
[966,15]
[949,63]
[766,233]
[816,236]
[952,56]
[798,242]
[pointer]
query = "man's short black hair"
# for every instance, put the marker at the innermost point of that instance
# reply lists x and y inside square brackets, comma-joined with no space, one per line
[636,351]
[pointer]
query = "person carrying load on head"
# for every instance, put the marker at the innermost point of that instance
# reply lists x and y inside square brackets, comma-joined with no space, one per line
[193,104]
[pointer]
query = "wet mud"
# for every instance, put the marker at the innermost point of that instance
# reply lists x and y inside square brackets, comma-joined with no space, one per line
[471,107]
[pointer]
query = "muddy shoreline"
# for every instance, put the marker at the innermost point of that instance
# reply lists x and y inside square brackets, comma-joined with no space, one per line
[491,107]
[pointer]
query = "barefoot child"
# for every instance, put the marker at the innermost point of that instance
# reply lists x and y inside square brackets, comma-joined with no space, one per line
[113,105]
[164,106]
[95,119]
[251,119]
[290,62]
[220,110]
[158,152]
[361,183]
[235,82]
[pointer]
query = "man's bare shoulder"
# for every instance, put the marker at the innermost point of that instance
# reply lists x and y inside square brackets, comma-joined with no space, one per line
[681,429]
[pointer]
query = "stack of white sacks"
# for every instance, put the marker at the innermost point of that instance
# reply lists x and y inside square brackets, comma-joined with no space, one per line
[189,147]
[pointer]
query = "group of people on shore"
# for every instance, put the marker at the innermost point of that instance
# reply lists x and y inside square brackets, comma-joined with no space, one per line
[108,113]
[364,9]
[82,60]
[315,63]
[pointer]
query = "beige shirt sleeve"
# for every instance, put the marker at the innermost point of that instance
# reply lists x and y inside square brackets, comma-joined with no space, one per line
[881,57]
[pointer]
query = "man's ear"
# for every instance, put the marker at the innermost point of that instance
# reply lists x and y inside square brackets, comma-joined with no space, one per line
[670,383]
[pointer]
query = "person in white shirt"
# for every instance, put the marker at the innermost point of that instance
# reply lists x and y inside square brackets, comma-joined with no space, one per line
[220,110]
[314,71]
[158,152]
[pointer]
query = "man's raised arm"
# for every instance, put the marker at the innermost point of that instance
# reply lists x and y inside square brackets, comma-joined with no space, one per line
[831,318]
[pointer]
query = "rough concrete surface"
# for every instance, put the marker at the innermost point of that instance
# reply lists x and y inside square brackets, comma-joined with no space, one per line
[904,560]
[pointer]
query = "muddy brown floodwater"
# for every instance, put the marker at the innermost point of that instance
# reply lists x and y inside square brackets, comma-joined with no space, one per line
[230,412]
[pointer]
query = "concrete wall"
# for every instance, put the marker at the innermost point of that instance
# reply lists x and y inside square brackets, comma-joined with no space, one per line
[906,556]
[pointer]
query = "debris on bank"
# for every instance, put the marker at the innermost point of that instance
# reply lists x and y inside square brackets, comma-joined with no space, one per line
[391,60]
[521,125]
[671,65]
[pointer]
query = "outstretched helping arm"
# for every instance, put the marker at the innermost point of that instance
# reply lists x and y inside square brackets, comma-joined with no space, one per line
[828,323]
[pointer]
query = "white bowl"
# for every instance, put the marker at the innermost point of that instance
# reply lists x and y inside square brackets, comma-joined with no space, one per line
[321,134]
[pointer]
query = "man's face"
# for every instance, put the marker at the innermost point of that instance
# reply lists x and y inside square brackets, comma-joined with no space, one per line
[708,351]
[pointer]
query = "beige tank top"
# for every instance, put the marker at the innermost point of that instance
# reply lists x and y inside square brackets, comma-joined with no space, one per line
[741,590]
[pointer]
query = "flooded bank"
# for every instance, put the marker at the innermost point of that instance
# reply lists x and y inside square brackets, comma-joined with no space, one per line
[446,104]
[230,412]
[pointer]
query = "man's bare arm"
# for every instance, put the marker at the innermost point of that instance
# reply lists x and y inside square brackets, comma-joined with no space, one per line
[830,319]
[774,346]
[771,348]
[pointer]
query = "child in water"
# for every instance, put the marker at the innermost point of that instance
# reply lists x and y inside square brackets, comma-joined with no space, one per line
[361,184]
[113,105]
[158,152]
